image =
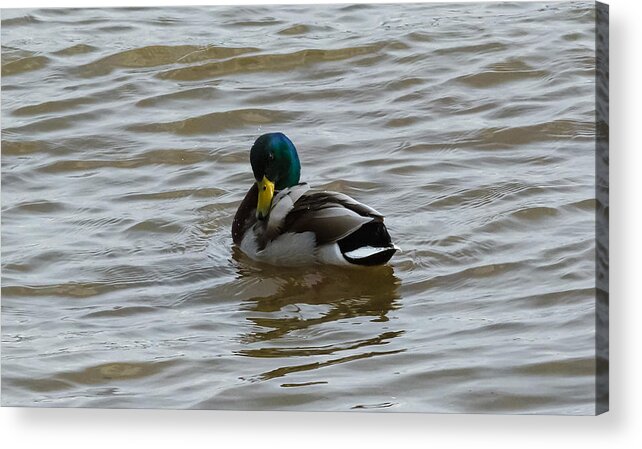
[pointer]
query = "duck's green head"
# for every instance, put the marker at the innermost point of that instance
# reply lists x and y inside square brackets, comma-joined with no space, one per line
[276,166]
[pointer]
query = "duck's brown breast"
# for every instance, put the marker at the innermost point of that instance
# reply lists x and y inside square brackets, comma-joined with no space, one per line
[244,214]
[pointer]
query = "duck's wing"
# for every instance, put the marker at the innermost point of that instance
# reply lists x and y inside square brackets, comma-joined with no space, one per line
[284,202]
[331,216]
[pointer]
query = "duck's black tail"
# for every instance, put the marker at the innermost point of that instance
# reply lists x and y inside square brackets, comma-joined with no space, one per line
[369,245]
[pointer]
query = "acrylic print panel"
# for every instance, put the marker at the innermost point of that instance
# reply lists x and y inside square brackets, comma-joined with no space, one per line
[480,131]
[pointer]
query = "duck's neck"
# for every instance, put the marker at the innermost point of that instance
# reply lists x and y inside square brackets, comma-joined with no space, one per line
[292,179]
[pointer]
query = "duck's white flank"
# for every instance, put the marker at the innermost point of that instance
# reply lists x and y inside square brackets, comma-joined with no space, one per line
[331,254]
[286,250]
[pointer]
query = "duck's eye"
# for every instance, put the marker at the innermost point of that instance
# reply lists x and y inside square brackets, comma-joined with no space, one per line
[271,156]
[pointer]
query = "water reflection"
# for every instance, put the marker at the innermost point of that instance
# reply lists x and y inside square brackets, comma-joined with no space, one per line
[319,295]
[298,319]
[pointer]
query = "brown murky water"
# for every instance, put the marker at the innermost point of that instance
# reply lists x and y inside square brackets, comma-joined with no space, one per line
[125,139]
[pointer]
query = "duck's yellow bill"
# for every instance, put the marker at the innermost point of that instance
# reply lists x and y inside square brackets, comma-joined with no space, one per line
[266,192]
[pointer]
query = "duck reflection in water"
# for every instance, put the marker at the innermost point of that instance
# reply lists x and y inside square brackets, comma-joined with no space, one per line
[309,302]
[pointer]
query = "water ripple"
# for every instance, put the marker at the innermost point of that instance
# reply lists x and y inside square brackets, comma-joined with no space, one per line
[267,62]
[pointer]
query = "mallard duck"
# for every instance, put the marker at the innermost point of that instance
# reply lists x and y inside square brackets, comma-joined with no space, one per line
[280,221]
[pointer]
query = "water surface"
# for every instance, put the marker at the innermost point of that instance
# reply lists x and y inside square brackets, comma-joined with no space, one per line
[125,152]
